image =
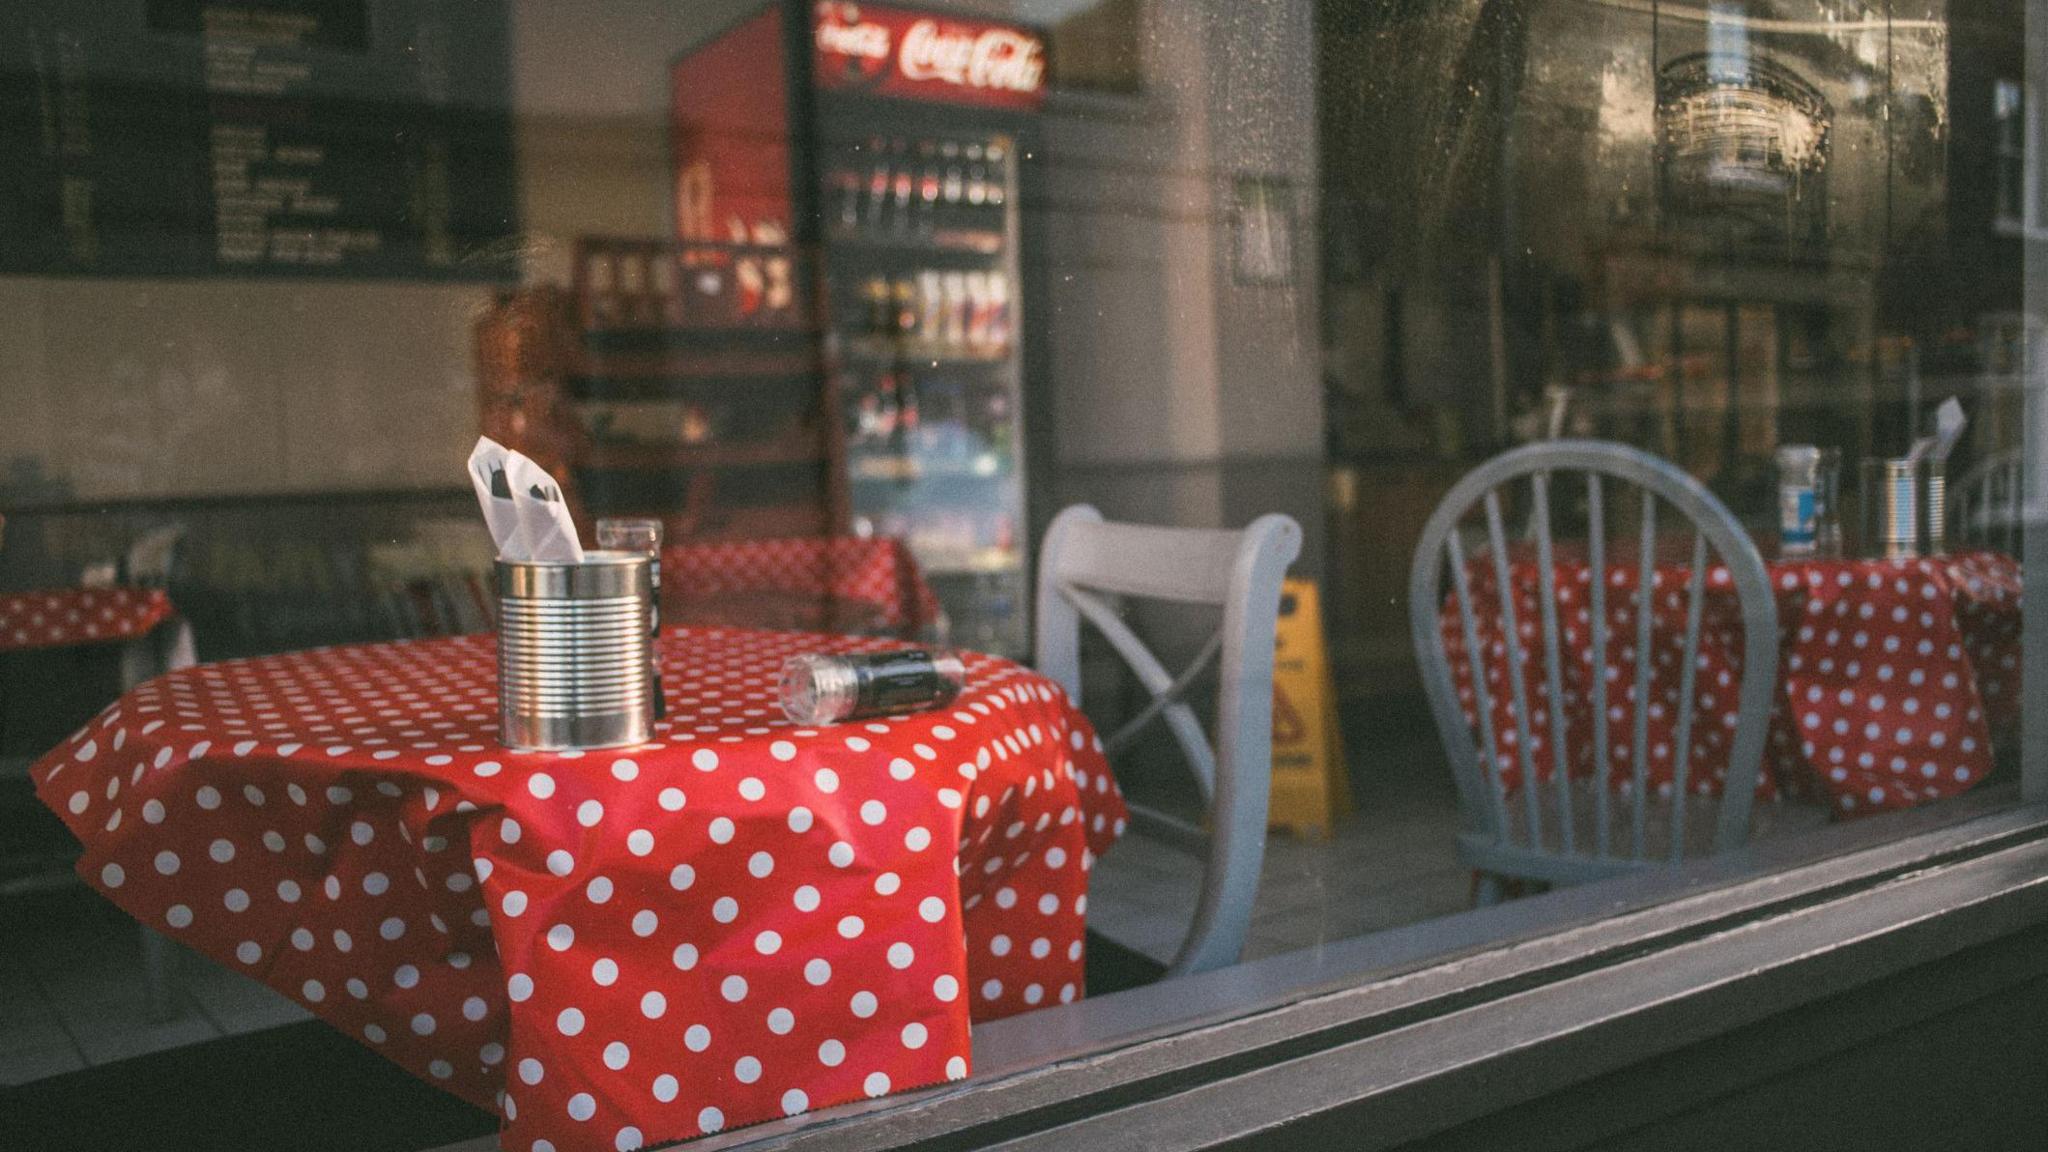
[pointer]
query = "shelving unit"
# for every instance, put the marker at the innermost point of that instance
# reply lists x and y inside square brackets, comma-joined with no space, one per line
[696,378]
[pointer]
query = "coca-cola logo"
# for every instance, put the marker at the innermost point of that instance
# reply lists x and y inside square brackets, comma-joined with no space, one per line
[862,41]
[1000,58]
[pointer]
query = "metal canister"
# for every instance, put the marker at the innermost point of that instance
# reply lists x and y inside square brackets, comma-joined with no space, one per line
[1901,522]
[573,655]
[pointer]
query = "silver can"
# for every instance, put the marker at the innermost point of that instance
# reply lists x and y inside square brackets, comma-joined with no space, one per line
[573,652]
[1937,507]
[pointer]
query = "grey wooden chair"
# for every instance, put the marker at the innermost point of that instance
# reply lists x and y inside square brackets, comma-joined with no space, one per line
[1541,836]
[1084,562]
[1985,505]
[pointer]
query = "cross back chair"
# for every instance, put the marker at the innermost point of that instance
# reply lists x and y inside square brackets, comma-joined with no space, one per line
[1539,837]
[1987,502]
[1084,563]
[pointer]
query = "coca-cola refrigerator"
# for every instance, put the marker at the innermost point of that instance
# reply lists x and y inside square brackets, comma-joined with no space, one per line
[897,146]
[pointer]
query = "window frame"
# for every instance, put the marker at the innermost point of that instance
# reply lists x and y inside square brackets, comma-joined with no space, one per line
[1404,1034]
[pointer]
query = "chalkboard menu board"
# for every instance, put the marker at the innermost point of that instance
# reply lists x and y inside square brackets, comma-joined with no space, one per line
[365,139]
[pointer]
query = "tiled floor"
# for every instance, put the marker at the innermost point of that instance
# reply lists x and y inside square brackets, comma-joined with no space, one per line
[72,993]
[1391,863]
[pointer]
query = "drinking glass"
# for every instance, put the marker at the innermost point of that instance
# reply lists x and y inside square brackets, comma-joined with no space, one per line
[642,534]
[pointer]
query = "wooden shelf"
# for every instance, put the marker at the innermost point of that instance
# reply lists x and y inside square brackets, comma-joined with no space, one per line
[952,242]
[889,350]
[630,457]
[646,329]
[878,468]
[689,364]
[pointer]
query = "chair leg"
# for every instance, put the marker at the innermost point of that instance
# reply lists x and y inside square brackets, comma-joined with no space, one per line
[1487,889]
[159,974]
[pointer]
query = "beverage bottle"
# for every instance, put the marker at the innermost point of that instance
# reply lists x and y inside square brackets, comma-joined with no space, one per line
[928,182]
[998,180]
[867,420]
[667,294]
[875,294]
[752,285]
[902,183]
[977,184]
[598,289]
[904,298]
[998,429]
[951,186]
[930,302]
[954,335]
[878,184]
[999,311]
[846,196]
[977,311]
[891,422]
[906,388]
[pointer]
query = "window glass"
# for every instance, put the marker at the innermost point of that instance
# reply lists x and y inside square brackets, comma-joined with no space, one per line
[853,300]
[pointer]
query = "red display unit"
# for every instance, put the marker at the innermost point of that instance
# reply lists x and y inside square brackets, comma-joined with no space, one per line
[897,145]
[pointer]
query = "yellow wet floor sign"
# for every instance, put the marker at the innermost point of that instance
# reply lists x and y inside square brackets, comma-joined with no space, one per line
[1311,790]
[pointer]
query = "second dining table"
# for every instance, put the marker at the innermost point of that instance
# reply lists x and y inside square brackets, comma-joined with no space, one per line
[1893,676]
[739,920]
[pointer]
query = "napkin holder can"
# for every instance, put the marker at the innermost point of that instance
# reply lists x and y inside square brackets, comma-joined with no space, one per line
[574,666]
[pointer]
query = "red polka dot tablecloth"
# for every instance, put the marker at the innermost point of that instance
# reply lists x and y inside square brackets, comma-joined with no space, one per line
[837,583]
[1893,675]
[738,921]
[62,617]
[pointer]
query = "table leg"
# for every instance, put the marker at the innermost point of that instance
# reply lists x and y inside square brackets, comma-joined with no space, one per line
[166,649]
[159,974]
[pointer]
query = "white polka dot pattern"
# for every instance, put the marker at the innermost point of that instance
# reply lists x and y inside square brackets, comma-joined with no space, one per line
[66,616]
[601,953]
[1893,675]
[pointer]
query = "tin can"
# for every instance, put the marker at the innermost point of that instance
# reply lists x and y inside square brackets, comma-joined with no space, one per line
[1937,507]
[574,666]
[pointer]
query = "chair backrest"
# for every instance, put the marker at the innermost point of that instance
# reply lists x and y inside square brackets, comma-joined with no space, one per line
[1986,503]
[152,555]
[1441,559]
[1086,559]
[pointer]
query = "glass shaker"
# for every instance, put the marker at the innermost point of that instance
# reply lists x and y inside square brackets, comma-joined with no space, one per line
[826,689]
[1827,529]
[643,535]
[1798,499]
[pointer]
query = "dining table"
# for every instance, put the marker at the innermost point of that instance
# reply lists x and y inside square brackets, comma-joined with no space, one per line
[150,634]
[739,920]
[870,585]
[68,617]
[1895,678]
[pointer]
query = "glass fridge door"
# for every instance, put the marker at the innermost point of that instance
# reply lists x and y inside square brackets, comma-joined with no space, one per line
[921,236]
